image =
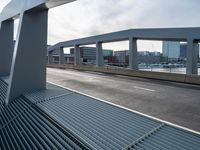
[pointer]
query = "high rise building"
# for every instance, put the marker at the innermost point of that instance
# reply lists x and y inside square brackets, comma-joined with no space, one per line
[175,50]
[171,49]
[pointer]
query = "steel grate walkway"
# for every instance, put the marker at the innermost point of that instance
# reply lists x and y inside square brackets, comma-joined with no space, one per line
[108,127]
[24,126]
[57,118]
[3,90]
[167,137]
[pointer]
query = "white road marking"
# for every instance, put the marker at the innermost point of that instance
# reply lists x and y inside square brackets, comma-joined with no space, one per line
[137,87]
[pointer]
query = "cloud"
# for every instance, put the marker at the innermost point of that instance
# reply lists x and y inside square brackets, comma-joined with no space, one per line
[85,17]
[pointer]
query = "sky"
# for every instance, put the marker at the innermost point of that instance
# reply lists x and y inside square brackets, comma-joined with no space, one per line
[84,18]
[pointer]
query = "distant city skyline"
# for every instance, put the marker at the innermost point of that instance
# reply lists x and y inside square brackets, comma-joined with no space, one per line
[67,22]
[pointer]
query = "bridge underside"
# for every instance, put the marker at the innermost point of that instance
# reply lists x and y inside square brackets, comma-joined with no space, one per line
[57,118]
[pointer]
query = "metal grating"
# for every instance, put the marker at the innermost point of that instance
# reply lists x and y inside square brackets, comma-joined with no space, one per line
[43,95]
[108,127]
[167,138]
[25,126]
[56,118]
[3,90]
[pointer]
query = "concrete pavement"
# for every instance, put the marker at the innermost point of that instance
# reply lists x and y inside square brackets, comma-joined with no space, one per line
[174,102]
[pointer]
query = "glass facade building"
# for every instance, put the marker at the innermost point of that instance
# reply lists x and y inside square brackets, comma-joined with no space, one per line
[171,49]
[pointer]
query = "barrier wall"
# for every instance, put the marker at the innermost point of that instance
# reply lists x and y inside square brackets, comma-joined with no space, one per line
[191,79]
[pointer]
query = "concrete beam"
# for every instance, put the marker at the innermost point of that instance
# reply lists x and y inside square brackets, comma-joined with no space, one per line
[28,71]
[133,54]
[61,56]
[13,9]
[167,34]
[77,55]
[192,57]
[6,46]
[99,55]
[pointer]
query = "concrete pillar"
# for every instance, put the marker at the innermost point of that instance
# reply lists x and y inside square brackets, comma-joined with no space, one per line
[77,55]
[50,57]
[28,70]
[133,54]
[192,57]
[6,46]
[61,56]
[99,55]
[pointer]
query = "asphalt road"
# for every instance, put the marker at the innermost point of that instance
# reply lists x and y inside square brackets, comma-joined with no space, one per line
[174,102]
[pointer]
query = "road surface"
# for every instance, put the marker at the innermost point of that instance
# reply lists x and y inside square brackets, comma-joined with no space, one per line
[174,102]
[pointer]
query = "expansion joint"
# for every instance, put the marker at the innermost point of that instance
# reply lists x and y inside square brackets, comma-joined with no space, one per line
[142,138]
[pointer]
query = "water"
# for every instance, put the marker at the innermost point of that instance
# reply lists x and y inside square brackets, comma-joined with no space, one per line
[169,70]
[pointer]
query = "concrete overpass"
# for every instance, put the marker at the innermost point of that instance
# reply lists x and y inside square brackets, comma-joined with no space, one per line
[189,35]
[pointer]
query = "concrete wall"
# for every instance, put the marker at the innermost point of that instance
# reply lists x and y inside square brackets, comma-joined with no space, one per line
[191,79]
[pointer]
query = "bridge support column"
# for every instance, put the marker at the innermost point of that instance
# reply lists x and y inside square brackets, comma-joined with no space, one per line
[99,55]
[28,71]
[133,56]
[192,57]
[61,56]
[77,55]
[50,57]
[6,46]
